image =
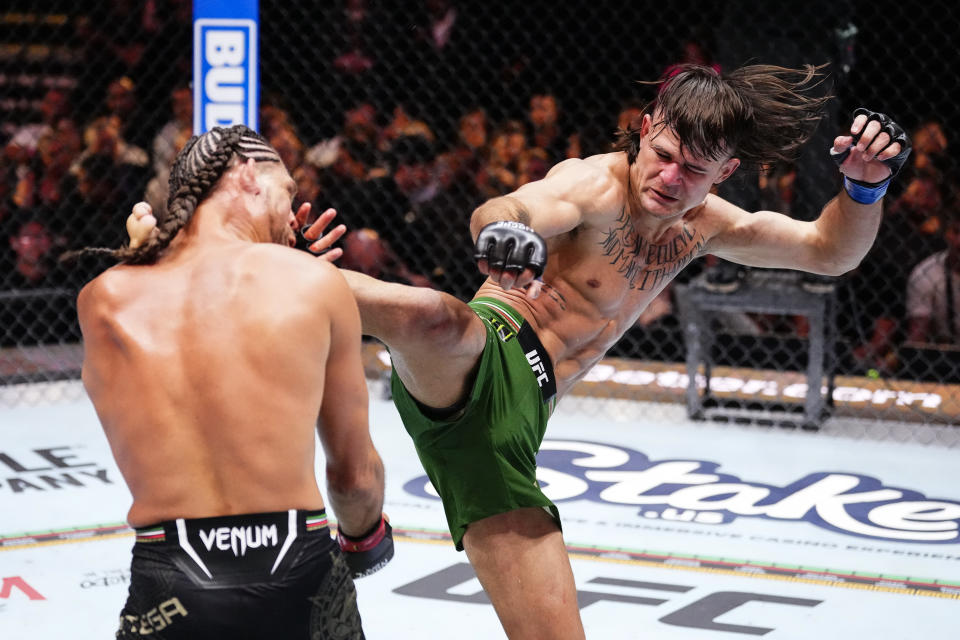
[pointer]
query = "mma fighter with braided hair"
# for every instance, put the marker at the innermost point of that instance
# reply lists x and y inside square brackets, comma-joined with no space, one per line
[475,383]
[209,354]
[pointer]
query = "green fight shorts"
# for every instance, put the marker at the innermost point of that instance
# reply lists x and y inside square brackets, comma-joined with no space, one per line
[482,461]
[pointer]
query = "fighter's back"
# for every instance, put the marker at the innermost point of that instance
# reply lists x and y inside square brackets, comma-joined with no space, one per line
[207,372]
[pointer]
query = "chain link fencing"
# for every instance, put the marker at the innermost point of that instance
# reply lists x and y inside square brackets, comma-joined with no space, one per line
[406,116]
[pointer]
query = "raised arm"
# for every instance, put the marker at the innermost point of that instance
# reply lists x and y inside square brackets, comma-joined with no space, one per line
[550,206]
[838,240]
[354,470]
[509,230]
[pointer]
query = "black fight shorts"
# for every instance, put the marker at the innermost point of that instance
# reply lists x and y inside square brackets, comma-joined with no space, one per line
[267,575]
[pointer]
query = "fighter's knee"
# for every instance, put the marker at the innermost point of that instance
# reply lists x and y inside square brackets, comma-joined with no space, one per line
[447,321]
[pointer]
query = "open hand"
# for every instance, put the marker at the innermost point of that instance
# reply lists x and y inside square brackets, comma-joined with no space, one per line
[320,243]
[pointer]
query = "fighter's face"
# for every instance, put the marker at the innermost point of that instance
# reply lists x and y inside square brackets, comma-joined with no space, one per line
[473,129]
[279,192]
[543,110]
[670,180]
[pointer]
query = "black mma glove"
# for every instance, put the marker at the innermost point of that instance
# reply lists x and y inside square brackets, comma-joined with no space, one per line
[368,553]
[891,128]
[511,246]
[304,244]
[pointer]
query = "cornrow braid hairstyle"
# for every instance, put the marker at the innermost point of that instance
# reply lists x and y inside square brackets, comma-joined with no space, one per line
[761,114]
[197,169]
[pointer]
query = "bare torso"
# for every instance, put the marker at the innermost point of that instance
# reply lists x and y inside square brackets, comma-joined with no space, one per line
[207,373]
[600,276]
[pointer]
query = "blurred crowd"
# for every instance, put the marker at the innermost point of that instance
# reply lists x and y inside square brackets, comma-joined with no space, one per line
[405,172]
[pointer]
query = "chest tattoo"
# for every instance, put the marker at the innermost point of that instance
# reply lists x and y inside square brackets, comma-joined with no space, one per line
[554,295]
[643,264]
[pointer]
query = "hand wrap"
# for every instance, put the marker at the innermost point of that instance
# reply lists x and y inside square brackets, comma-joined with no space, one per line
[369,553]
[511,246]
[304,243]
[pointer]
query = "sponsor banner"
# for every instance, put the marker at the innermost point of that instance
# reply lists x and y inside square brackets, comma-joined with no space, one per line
[429,586]
[695,491]
[852,396]
[57,470]
[669,489]
[667,382]
[680,489]
[225,64]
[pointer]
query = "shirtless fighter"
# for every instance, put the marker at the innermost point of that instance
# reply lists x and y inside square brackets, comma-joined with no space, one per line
[475,383]
[209,355]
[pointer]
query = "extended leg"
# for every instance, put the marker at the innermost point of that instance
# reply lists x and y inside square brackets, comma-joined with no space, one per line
[435,339]
[522,563]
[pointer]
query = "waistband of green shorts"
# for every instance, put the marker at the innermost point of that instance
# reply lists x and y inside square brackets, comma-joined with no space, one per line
[509,315]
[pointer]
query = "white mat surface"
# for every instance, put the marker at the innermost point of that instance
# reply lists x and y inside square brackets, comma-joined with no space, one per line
[677,530]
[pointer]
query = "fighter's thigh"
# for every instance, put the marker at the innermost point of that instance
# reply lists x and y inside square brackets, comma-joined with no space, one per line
[438,361]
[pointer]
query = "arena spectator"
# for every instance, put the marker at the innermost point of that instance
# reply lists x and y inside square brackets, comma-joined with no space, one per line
[351,156]
[54,106]
[273,117]
[365,251]
[33,245]
[930,148]
[121,102]
[547,132]
[630,110]
[103,137]
[510,162]
[353,67]
[422,222]
[309,181]
[44,182]
[909,232]
[288,144]
[458,167]
[933,292]
[437,218]
[166,144]
[403,124]
[94,214]
[38,308]
[436,63]
[356,35]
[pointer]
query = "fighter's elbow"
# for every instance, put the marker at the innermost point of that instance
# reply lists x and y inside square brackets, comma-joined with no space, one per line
[834,260]
[847,261]
[354,481]
[839,268]
[353,484]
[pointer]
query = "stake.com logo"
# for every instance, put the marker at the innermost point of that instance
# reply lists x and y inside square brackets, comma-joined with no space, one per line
[693,491]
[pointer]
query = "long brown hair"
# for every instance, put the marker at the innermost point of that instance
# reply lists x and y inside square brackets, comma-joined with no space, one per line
[760,114]
[197,169]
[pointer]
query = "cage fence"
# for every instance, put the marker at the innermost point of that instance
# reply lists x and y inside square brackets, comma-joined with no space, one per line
[406,116]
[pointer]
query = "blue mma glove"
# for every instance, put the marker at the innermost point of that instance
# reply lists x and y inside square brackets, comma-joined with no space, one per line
[891,128]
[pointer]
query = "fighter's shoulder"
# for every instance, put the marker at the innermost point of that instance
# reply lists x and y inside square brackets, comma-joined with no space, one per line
[101,297]
[288,267]
[715,216]
[592,169]
[275,257]
[587,179]
[100,290]
[717,210]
